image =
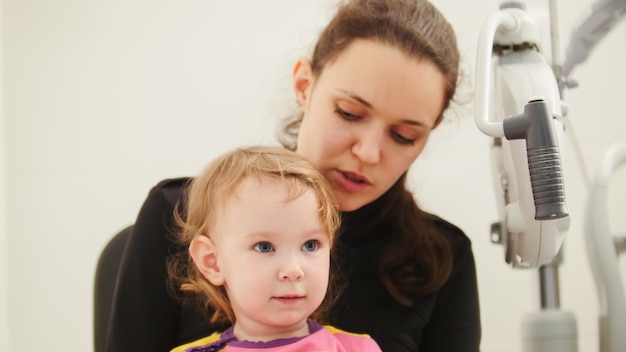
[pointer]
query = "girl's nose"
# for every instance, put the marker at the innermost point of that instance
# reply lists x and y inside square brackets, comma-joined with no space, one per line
[291,270]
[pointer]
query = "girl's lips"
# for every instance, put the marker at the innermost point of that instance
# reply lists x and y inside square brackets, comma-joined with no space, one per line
[351,181]
[289,300]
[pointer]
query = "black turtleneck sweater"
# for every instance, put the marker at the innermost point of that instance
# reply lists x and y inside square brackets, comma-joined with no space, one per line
[145,318]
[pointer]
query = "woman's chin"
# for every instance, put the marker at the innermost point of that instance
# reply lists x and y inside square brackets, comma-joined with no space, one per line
[348,204]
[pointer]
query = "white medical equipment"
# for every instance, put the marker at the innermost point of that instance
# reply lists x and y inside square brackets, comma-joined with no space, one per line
[604,248]
[519,104]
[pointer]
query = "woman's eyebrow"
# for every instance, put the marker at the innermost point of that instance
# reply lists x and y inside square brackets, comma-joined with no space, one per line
[357,98]
[413,123]
[369,105]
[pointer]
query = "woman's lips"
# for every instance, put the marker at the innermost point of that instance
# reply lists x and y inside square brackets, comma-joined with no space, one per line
[352,181]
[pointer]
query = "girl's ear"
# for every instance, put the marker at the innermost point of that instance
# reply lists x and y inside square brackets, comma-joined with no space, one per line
[204,255]
[302,82]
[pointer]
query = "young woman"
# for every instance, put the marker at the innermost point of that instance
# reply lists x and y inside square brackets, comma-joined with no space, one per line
[267,276]
[382,74]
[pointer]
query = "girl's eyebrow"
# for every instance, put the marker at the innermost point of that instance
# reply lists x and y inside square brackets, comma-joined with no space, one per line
[369,105]
[272,235]
[259,235]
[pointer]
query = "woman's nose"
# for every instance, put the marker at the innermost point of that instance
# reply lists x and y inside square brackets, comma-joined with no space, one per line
[368,146]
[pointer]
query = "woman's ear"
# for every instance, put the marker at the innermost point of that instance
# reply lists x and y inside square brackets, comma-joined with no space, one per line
[302,81]
[204,255]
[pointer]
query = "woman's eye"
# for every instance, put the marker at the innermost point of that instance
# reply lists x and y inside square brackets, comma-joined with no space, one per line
[310,246]
[401,139]
[263,247]
[346,115]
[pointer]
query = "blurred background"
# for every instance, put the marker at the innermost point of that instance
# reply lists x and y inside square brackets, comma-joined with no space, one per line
[101,99]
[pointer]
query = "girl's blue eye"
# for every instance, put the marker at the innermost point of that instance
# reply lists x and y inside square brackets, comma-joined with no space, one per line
[263,247]
[401,139]
[310,246]
[346,115]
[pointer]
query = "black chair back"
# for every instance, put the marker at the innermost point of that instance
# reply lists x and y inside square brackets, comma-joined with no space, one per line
[105,281]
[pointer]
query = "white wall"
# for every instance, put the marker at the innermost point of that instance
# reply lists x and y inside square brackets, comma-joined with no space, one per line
[104,98]
[4,300]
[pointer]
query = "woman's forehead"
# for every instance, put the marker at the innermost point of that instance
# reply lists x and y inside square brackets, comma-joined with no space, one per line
[383,77]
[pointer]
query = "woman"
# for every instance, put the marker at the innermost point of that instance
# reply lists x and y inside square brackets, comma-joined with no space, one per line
[382,75]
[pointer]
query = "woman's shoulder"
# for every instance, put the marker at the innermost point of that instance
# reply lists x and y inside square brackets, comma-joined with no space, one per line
[170,190]
[161,201]
[171,187]
[458,239]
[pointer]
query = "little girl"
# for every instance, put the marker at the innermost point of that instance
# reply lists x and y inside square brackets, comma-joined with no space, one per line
[259,224]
